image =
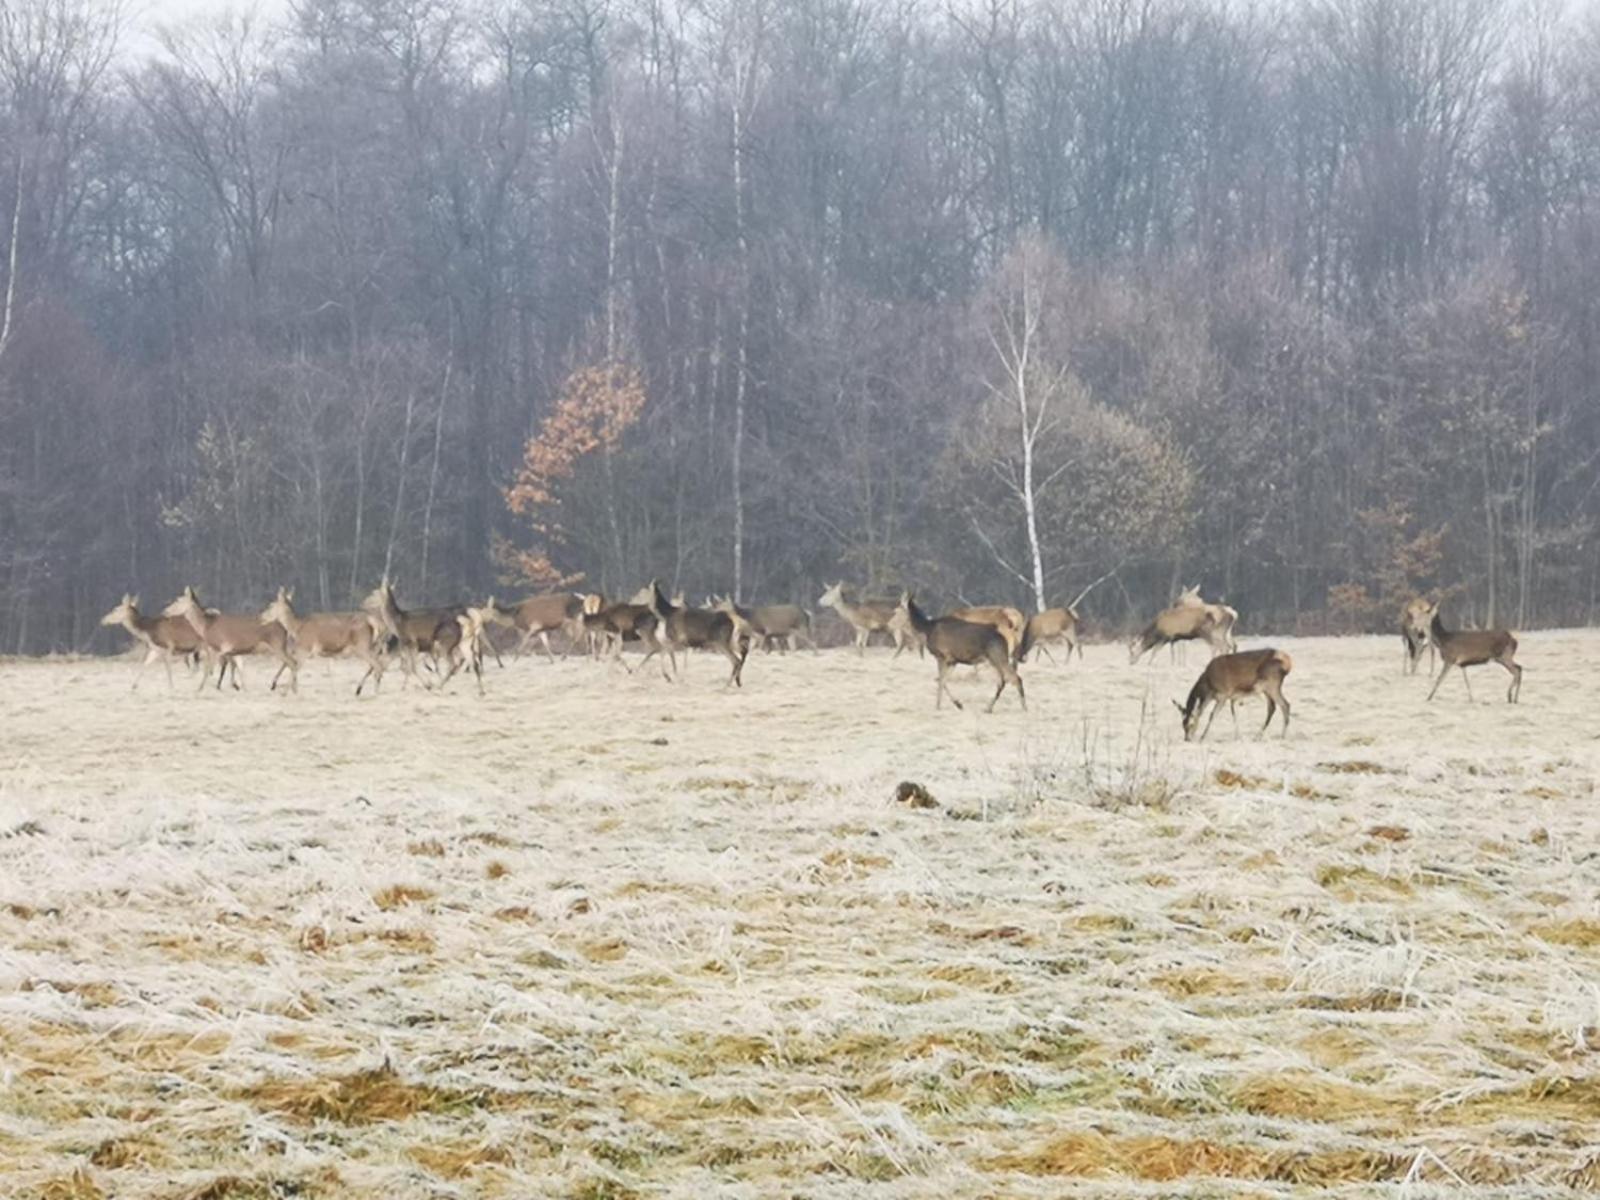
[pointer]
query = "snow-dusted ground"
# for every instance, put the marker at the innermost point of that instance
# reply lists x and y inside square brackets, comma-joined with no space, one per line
[598,935]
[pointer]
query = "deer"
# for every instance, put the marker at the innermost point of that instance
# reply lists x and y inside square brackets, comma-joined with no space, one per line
[329,635]
[1210,623]
[783,625]
[227,636]
[1414,619]
[1051,625]
[474,623]
[1231,677]
[953,642]
[867,618]
[621,623]
[1222,614]
[1009,622]
[1463,648]
[538,616]
[430,631]
[744,626]
[696,628]
[164,638]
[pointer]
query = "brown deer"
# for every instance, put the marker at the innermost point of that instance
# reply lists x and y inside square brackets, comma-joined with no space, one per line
[1231,677]
[1182,623]
[953,642]
[227,636]
[1008,622]
[1414,619]
[538,616]
[474,623]
[781,625]
[867,618]
[433,632]
[1222,614]
[696,628]
[164,638]
[329,635]
[1463,648]
[618,624]
[1051,625]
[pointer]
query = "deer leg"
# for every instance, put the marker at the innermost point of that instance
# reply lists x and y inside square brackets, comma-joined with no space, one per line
[1445,670]
[1468,682]
[861,642]
[1233,711]
[1283,703]
[1271,709]
[1215,704]
[544,639]
[1514,688]
[149,654]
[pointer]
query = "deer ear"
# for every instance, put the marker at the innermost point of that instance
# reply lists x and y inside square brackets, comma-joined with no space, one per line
[1177,706]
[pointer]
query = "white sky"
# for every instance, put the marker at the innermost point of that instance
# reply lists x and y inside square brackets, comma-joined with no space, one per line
[147,14]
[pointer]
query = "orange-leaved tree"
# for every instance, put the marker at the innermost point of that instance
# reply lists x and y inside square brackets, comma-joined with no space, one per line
[597,406]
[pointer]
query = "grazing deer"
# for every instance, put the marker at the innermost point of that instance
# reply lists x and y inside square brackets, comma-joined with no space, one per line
[1414,619]
[164,638]
[618,624]
[953,641]
[1231,677]
[427,631]
[1463,648]
[227,636]
[1008,622]
[867,618]
[1051,625]
[1186,622]
[1222,614]
[538,616]
[688,628]
[783,625]
[329,635]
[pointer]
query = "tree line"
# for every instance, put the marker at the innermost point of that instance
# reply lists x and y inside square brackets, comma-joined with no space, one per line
[999,299]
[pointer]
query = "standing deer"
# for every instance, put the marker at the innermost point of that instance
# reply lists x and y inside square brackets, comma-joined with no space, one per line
[1051,625]
[867,618]
[1463,648]
[1414,619]
[953,641]
[688,628]
[227,636]
[1231,677]
[164,638]
[1222,614]
[329,635]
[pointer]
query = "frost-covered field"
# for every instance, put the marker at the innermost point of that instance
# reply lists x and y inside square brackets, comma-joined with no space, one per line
[601,936]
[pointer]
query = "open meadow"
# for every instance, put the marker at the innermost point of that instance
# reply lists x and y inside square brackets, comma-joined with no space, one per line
[597,935]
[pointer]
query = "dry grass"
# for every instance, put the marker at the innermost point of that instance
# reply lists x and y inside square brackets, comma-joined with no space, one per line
[676,942]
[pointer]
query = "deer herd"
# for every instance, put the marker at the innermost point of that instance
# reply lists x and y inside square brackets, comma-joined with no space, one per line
[443,641]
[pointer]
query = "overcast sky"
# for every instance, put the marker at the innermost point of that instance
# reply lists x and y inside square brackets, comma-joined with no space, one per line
[147,14]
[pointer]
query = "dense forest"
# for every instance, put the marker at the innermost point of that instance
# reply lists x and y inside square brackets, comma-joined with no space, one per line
[996,298]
